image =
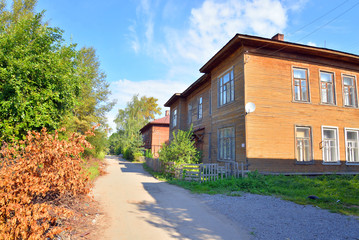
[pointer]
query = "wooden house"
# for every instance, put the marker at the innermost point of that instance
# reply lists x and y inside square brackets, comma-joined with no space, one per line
[155,133]
[306,118]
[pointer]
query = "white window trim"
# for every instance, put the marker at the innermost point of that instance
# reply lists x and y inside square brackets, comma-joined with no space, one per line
[345,135]
[356,89]
[338,146]
[172,117]
[311,144]
[218,87]
[218,143]
[308,82]
[334,89]
[198,104]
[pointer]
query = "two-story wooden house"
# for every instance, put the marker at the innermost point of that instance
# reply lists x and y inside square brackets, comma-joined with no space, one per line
[306,118]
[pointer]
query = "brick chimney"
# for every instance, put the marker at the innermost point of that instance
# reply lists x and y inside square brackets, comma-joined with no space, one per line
[167,112]
[278,37]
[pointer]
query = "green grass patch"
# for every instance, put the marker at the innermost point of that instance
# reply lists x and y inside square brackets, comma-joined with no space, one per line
[337,193]
[93,171]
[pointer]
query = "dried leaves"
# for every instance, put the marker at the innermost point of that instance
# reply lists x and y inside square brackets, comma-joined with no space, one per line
[33,175]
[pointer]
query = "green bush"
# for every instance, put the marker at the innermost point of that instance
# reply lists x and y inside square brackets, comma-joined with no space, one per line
[148,153]
[181,150]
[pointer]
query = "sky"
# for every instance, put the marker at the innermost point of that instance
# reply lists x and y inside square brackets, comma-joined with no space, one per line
[155,48]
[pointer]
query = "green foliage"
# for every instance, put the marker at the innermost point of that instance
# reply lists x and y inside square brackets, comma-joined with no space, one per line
[148,153]
[336,193]
[181,149]
[38,83]
[129,121]
[45,82]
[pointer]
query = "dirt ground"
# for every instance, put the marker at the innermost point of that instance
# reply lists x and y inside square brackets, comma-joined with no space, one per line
[137,206]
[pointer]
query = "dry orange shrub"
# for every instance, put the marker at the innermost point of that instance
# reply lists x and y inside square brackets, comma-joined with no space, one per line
[33,175]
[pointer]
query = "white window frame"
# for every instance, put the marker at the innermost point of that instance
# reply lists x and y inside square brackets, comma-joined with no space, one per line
[310,144]
[346,144]
[174,117]
[308,85]
[356,90]
[337,146]
[231,91]
[200,108]
[334,88]
[232,143]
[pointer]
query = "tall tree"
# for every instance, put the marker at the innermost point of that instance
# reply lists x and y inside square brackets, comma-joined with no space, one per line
[38,84]
[130,120]
[92,102]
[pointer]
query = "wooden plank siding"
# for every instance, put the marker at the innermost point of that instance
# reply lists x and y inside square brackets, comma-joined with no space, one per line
[271,128]
[265,139]
[231,114]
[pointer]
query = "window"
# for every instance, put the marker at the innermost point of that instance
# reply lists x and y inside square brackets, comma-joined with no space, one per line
[303,137]
[174,118]
[226,144]
[330,145]
[349,91]
[189,113]
[301,86]
[327,91]
[351,138]
[226,88]
[199,108]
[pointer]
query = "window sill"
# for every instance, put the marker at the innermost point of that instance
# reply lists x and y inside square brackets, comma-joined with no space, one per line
[352,163]
[306,102]
[304,162]
[353,107]
[221,160]
[329,104]
[226,104]
[331,163]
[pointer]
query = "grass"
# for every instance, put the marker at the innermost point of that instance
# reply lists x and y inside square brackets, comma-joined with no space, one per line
[337,193]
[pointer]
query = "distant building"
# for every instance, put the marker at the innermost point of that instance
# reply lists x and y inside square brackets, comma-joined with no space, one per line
[156,133]
[306,118]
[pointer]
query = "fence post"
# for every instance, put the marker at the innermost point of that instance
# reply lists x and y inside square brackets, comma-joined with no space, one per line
[242,169]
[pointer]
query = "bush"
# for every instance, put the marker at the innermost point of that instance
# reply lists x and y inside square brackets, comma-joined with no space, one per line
[34,175]
[148,153]
[181,150]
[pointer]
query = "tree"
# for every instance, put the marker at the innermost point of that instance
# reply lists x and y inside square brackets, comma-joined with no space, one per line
[181,150]
[130,120]
[92,102]
[38,82]
[46,83]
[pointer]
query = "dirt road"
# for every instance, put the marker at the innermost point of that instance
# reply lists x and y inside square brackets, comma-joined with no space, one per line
[140,207]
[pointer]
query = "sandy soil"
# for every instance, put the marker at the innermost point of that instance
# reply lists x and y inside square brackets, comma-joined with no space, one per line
[138,206]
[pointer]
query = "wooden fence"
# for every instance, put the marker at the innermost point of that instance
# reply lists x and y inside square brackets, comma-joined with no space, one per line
[200,172]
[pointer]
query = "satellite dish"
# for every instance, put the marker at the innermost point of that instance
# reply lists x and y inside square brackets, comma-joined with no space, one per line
[250,107]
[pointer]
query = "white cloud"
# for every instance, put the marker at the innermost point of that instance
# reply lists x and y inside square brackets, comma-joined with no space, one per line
[312,44]
[123,91]
[214,23]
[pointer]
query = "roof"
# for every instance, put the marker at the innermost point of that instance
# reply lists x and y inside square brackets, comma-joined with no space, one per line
[189,90]
[240,40]
[161,121]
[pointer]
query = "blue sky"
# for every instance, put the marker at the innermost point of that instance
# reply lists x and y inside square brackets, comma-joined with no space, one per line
[156,47]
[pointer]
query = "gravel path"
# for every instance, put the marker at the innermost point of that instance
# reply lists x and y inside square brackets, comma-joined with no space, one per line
[270,218]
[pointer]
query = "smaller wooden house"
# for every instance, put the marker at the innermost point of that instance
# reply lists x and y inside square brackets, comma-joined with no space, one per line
[156,133]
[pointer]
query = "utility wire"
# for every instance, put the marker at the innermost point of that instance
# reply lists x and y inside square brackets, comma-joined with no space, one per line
[320,17]
[310,23]
[320,27]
